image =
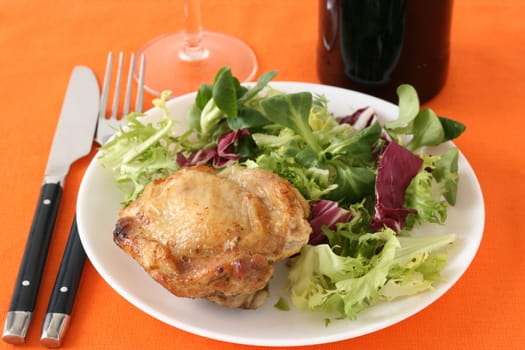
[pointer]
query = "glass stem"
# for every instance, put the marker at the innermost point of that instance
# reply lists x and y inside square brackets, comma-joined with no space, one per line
[193,49]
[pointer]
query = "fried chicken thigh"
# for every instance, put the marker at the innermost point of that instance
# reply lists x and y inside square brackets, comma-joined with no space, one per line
[203,234]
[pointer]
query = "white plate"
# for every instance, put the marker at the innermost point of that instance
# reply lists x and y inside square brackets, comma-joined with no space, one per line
[97,211]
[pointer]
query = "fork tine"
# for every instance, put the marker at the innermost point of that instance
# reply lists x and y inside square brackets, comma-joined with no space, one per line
[114,110]
[140,84]
[127,97]
[108,125]
[105,87]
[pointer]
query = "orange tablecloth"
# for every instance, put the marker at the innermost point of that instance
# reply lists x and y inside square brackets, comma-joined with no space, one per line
[40,42]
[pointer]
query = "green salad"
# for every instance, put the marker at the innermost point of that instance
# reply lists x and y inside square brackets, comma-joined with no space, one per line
[368,184]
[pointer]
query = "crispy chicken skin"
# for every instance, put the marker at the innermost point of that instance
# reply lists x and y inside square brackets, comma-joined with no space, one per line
[203,234]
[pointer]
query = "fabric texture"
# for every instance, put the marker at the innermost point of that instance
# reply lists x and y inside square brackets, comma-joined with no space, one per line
[40,43]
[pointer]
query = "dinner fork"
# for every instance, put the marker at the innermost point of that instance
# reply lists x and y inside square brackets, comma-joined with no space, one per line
[64,292]
[106,127]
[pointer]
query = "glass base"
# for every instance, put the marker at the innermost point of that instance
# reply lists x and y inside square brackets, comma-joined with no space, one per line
[167,70]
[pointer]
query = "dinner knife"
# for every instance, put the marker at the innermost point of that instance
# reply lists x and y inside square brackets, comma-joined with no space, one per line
[73,140]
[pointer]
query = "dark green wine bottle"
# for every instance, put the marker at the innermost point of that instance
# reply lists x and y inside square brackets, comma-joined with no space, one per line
[373,46]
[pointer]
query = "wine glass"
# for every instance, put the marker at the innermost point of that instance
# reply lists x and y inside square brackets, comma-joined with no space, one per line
[182,61]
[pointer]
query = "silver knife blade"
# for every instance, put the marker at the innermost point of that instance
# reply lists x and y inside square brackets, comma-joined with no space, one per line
[75,130]
[73,139]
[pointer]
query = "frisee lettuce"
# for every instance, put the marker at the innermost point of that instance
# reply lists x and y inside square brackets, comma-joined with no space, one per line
[140,152]
[322,280]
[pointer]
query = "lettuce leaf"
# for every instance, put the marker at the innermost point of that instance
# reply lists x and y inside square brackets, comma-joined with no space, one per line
[424,127]
[323,281]
[140,153]
[433,189]
[292,111]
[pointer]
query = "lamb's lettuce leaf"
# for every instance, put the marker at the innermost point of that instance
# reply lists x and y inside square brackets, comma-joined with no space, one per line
[292,111]
[424,126]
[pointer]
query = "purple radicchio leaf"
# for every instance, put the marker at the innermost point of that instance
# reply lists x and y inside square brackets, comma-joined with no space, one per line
[220,156]
[325,212]
[397,168]
[200,157]
[360,119]
[226,153]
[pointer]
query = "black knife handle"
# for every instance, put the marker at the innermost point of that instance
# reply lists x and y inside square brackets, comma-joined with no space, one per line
[37,247]
[32,266]
[68,278]
[64,292]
